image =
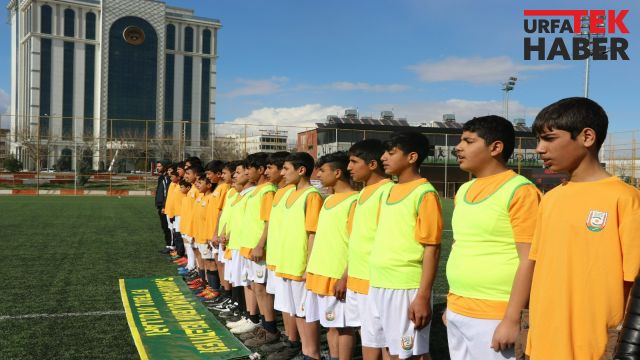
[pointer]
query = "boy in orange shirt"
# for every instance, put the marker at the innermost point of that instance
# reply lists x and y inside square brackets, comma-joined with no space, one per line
[586,247]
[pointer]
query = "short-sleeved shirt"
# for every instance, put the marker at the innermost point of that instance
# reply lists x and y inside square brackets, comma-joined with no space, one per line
[523,208]
[585,246]
[314,205]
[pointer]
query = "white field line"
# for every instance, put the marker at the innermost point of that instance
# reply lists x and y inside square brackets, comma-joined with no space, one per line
[37,316]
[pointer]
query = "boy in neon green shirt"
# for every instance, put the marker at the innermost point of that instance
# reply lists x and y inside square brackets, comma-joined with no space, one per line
[493,222]
[328,260]
[405,252]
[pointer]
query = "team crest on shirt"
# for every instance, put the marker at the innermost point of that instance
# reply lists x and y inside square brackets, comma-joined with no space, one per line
[406,342]
[597,220]
[330,315]
[259,273]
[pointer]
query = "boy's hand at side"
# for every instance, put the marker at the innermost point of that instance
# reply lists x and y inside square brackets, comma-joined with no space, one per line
[420,311]
[341,288]
[505,335]
[257,254]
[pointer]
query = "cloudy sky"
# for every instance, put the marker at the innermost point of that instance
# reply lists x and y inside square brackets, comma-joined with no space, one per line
[291,62]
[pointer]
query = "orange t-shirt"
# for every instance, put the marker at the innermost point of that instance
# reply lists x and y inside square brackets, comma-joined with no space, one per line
[522,214]
[585,246]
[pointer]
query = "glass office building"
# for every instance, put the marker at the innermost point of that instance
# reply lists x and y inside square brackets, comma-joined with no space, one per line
[102,71]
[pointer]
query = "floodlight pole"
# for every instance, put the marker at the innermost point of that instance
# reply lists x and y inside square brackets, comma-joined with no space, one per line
[585,31]
[508,86]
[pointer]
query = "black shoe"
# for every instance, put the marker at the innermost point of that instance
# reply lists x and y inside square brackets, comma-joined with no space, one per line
[230,315]
[288,351]
[165,251]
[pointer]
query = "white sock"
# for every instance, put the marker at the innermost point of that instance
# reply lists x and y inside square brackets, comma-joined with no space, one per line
[191,257]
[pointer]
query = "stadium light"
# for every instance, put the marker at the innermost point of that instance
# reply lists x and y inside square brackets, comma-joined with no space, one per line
[585,32]
[507,86]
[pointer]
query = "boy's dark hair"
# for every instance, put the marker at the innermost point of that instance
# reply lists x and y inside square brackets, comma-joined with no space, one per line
[194,160]
[242,163]
[277,158]
[197,169]
[493,128]
[171,167]
[338,161]
[257,160]
[573,115]
[185,183]
[369,150]
[204,178]
[409,142]
[231,165]
[215,166]
[298,159]
[180,165]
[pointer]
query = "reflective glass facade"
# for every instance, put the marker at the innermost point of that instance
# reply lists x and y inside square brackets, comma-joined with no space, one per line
[188,39]
[187,93]
[204,102]
[171,37]
[168,94]
[90,23]
[89,82]
[206,41]
[132,80]
[67,91]
[69,23]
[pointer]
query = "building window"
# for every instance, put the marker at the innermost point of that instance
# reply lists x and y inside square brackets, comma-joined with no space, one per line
[188,39]
[45,19]
[69,22]
[89,82]
[91,26]
[132,81]
[67,91]
[168,94]
[171,37]
[187,102]
[45,86]
[206,41]
[204,102]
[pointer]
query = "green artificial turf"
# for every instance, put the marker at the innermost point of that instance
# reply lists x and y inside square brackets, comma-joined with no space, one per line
[66,254]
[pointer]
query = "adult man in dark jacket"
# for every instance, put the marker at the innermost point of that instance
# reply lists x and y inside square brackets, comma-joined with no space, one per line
[161,198]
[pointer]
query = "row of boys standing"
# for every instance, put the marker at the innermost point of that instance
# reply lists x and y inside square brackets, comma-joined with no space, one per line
[369,259]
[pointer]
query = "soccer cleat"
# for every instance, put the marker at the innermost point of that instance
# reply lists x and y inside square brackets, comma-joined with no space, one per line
[233,322]
[247,326]
[165,250]
[194,281]
[207,290]
[222,305]
[173,253]
[287,352]
[210,296]
[251,334]
[262,338]
[182,259]
[196,284]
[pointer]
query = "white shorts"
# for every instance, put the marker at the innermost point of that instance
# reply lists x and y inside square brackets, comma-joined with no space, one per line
[355,308]
[227,270]
[205,252]
[291,298]
[388,315]
[221,254]
[329,310]
[169,223]
[188,240]
[274,283]
[237,273]
[256,272]
[470,338]
[176,223]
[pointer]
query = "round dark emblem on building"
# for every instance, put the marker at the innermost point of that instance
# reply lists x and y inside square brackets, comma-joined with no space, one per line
[133,35]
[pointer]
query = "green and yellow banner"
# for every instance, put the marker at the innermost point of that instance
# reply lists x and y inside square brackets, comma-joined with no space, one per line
[168,322]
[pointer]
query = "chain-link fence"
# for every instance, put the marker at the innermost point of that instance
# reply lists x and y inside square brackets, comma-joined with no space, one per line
[121,154]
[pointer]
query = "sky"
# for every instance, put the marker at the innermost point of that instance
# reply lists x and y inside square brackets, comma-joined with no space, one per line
[292,62]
